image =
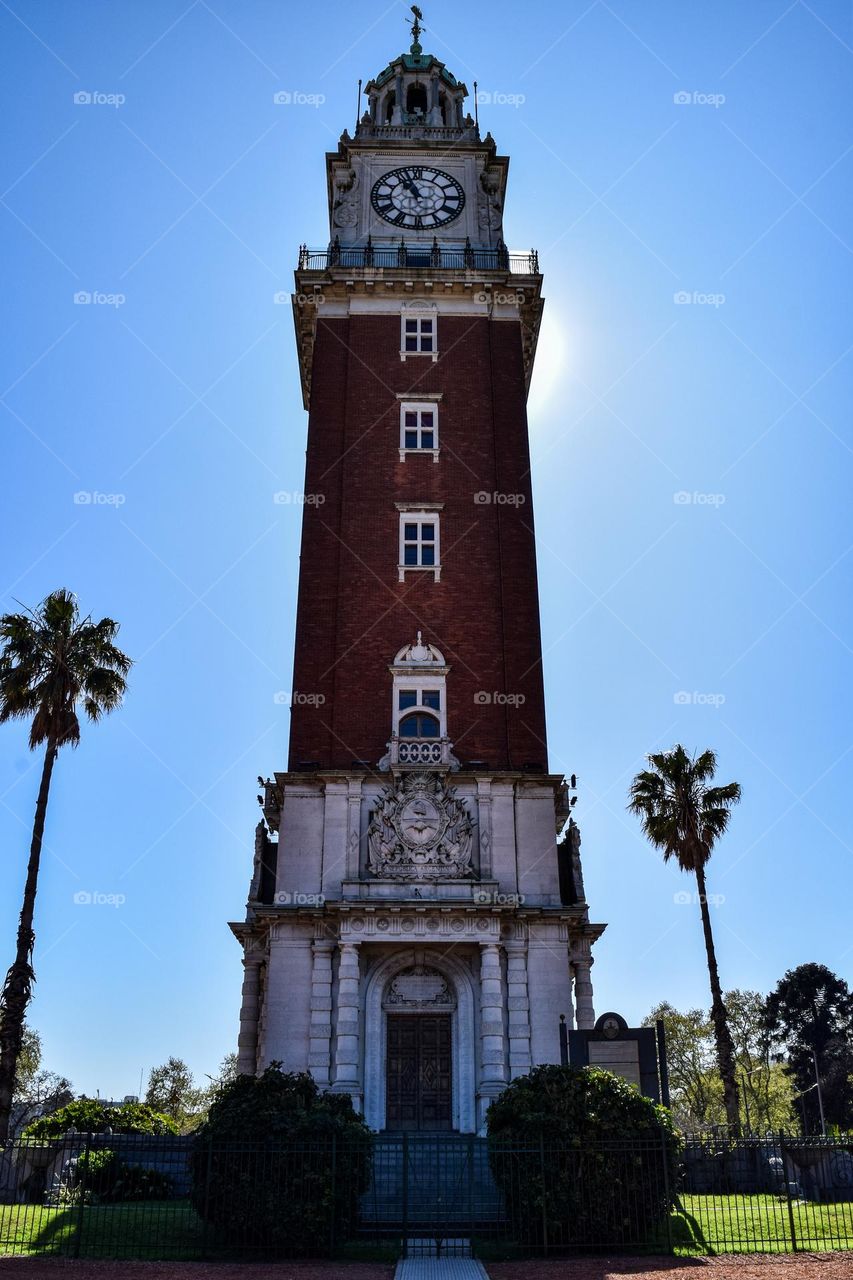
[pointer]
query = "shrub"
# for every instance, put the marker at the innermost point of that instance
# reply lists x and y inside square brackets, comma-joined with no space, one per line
[278,1163]
[100,1176]
[582,1157]
[90,1115]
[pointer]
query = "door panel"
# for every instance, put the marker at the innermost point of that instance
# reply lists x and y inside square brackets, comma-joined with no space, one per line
[419,1072]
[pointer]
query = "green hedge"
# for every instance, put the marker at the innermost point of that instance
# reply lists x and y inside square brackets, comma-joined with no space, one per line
[582,1158]
[90,1115]
[281,1165]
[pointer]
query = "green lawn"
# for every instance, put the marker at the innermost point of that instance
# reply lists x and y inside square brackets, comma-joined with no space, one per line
[171,1229]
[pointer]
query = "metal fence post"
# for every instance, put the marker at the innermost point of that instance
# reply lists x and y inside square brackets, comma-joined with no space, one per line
[666,1191]
[405,1214]
[82,1190]
[205,1211]
[791,1224]
[544,1205]
[334,1192]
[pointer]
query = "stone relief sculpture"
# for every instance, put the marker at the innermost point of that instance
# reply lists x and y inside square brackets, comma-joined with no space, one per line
[346,206]
[257,865]
[575,850]
[421,830]
[419,987]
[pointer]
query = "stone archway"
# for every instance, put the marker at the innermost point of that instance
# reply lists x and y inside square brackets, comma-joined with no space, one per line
[381,997]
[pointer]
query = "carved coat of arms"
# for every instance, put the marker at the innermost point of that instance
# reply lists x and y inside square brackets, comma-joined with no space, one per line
[420,830]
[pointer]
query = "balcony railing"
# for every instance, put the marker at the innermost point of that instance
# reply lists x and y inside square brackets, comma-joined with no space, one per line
[418,256]
[419,753]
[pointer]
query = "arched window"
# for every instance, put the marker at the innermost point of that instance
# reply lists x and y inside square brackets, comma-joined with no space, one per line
[419,724]
[416,99]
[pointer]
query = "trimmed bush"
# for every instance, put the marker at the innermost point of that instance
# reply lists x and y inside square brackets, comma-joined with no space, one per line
[100,1176]
[279,1164]
[90,1115]
[582,1158]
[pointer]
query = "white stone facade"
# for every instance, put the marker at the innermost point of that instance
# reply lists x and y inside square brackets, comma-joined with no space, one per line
[323,956]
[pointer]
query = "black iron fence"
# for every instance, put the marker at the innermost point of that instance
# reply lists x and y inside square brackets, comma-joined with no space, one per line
[419,256]
[113,1196]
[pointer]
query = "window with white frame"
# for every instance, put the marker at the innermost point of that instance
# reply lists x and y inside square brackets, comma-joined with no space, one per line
[419,336]
[419,542]
[418,712]
[419,428]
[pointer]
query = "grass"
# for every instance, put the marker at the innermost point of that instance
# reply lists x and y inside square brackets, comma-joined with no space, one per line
[171,1229]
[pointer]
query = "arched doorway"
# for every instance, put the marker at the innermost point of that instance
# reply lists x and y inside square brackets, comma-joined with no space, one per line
[419,1051]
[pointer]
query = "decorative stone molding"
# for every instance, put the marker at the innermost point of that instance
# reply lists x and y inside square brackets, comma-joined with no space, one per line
[419,988]
[421,830]
[381,925]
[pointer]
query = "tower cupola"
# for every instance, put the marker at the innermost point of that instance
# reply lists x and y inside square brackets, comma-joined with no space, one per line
[415,92]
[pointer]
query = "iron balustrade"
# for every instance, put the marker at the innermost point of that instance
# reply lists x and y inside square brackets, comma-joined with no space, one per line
[419,256]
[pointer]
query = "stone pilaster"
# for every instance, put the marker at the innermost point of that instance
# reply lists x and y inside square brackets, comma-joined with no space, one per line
[347,1039]
[247,1040]
[518,1007]
[319,1047]
[493,1076]
[581,968]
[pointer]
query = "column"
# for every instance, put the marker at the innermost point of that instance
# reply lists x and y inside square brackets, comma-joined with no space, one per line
[347,1037]
[581,967]
[319,1045]
[397,113]
[247,1040]
[493,1071]
[518,1007]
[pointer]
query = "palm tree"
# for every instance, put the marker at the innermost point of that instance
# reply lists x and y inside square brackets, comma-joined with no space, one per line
[684,816]
[51,662]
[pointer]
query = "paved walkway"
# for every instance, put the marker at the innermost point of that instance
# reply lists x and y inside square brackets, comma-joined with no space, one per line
[440,1269]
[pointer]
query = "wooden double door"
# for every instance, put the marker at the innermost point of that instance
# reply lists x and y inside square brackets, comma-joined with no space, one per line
[419,1072]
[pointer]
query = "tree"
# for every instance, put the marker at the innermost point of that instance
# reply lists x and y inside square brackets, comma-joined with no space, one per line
[810,1014]
[37,1091]
[172,1092]
[51,662]
[766,1091]
[684,816]
[93,1115]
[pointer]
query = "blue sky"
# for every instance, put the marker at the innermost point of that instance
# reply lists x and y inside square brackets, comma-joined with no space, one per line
[180,194]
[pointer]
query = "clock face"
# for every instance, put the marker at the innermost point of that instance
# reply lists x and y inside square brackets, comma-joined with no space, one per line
[417,198]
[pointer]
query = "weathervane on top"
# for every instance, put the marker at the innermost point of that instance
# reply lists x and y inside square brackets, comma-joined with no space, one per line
[416,29]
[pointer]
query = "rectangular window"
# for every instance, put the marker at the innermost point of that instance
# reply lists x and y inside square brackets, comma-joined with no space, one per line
[408,698]
[419,337]
[418,428]
[419,542]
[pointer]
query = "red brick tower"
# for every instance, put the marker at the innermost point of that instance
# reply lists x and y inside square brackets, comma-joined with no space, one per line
[415,897]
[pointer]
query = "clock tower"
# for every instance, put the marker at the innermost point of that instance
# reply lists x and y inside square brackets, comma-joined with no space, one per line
[414,929]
